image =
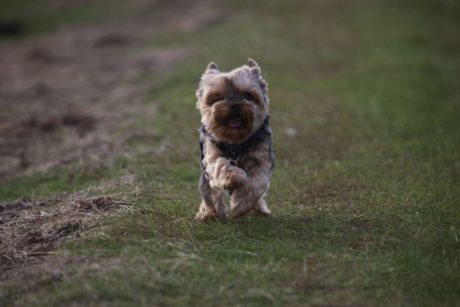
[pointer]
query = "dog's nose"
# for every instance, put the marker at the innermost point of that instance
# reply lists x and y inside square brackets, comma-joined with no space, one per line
[234,107]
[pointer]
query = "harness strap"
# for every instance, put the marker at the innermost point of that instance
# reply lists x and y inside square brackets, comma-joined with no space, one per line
[233,152]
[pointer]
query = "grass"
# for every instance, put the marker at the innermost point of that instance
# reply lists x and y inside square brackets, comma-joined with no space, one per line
[365,198]
[36,17]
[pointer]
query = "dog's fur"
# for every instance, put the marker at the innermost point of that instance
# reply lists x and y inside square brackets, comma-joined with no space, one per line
[235,141]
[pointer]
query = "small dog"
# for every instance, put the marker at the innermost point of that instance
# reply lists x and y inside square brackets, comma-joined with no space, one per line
[235,141]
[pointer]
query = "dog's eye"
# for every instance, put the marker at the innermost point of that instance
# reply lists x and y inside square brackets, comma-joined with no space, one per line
[248,97]
[215,98]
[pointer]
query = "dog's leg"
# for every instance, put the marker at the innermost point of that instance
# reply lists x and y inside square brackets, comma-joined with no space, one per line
[212,203]
[225,176]
[261,207]
[209,210]
[222,174]
[250,195]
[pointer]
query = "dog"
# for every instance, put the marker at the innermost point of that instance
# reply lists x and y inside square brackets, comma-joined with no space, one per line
[237,155]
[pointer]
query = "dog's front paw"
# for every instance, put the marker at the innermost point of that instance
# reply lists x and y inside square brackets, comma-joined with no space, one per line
[233,178]
[205,216]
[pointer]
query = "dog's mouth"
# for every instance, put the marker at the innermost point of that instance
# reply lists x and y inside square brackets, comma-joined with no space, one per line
[235,122]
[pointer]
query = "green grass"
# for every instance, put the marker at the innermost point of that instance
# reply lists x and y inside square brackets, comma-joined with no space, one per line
[41,16]
[365,198]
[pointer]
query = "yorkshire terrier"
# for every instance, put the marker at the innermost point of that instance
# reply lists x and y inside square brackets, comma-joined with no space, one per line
[235,141]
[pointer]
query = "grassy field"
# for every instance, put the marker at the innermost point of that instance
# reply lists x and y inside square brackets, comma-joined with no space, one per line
[365,194]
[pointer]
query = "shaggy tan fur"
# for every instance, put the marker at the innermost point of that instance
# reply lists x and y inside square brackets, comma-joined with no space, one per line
[234,107]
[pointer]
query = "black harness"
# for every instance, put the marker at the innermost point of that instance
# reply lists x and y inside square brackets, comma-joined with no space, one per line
[233,152]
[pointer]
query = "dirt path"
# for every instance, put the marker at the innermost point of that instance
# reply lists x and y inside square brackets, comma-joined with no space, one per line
[76,94]
[66,95]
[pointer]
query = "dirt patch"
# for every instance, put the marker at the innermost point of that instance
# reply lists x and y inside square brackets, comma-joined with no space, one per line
[77,94]
[10,28]
[79,89]
[31,228]
[10,211]
[98,204]
[35,125]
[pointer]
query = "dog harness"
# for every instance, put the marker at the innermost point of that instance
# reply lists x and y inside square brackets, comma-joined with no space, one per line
[233,152]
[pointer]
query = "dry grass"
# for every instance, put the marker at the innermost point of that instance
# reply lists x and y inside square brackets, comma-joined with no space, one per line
[33,228]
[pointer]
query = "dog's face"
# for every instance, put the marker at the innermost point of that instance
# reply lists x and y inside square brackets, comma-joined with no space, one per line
[233,105]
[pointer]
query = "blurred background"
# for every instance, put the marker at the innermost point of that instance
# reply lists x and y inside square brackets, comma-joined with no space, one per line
[97,98]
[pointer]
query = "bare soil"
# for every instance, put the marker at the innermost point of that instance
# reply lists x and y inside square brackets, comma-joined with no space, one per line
[76,93]
[66,95]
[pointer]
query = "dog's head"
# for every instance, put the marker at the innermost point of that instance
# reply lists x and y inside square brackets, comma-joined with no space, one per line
[233,104]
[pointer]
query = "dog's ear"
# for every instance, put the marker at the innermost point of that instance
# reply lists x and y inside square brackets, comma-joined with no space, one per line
[252,63]
[256,71]
[255,68]
[199,93]
[211,69]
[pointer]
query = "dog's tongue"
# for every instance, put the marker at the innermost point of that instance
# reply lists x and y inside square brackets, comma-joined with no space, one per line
[235,122]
